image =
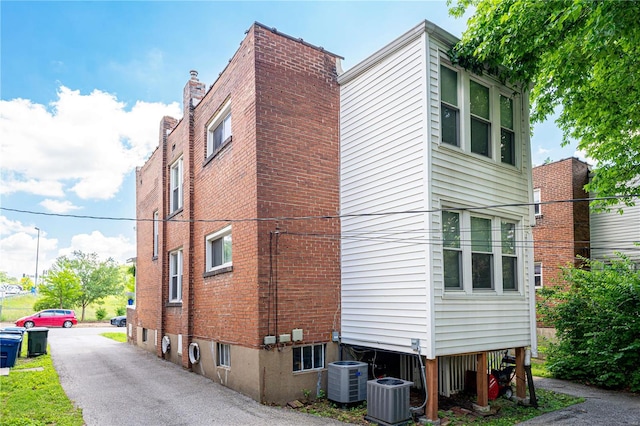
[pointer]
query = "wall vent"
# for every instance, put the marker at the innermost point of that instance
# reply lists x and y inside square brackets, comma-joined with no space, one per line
[388,401]
[347,381]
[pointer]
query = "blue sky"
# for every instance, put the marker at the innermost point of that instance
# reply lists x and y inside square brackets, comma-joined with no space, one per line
[83,86]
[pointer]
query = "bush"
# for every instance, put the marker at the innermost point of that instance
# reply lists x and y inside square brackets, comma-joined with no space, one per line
[121,310]
[597,325]
[44,304]
[101,313]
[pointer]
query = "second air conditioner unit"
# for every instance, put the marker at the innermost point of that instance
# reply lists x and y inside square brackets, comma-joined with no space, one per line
[388,401]
[347,381]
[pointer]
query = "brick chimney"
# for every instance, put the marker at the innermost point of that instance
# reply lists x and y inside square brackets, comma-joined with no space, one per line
[194,91]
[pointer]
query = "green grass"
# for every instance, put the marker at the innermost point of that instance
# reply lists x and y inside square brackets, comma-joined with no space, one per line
[35,398]
[19,306]
[118,337]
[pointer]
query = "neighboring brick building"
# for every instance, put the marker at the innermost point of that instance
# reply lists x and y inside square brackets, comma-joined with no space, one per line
[222,287]
[561,233]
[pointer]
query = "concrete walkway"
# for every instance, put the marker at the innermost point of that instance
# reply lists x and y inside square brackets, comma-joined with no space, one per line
[601,407]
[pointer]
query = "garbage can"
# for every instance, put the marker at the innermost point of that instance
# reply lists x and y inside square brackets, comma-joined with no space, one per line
[15,330]
[37,344]
[9,349]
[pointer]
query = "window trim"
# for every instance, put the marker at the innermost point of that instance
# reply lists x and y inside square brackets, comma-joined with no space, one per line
[223,355]
[314,367]
[536,275]
[455,108]
[209,240]
[466,272]
[218,119]
[537,202]
[176,183]
[175,298]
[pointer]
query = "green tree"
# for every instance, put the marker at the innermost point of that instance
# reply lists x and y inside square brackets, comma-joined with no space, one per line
[5,278]
[597,324]
[97,279]
[26,283]
[580,55]
[60,288]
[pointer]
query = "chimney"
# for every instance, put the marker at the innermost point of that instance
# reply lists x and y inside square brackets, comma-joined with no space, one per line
[194,91]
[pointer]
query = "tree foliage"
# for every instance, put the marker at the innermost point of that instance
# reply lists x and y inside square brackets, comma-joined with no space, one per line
[597,321]
[97,279]
[581,55]
[79,280]
[60,287]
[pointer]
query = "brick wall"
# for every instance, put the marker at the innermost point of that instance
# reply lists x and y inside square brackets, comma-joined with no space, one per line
[562,231]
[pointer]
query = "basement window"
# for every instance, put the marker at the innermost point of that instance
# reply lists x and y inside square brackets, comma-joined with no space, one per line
[223,355]
[310,357]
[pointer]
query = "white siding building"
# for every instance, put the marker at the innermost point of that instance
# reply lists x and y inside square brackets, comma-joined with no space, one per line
[435,193]
[613,232]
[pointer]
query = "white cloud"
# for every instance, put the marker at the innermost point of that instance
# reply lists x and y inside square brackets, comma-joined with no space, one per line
[83,143]
[119,248]
[19,249]
[543,151]
[56,206]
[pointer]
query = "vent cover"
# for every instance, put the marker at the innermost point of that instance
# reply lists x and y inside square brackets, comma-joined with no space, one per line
[347,381]
[388,400]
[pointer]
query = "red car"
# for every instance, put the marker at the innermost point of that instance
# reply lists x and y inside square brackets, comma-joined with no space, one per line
[49,318]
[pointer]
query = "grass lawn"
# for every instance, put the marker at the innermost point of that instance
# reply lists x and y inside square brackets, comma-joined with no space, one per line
[118,337]
[19,306]
[35,398]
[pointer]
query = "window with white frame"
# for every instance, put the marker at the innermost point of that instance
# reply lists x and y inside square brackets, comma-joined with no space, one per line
[509,256]
[156,233]
[223,351]
[480,117]
[219,249]
[175,276]
[479,252]
[507,134]
[537,274]
[219,130]
[450,113]
[176,186]
[537,206]
[452,252]
[310,357]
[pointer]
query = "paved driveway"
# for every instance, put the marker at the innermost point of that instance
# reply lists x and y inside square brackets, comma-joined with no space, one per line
[119,384]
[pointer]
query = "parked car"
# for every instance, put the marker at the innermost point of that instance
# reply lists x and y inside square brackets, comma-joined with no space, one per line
[49,318]
[119,321]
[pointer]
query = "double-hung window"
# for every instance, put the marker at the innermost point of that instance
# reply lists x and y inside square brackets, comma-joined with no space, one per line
[507,135]
[219,249]
[537,274]
[481,253]
[176,186]
[537,206]
[156,233]
[452,251]
[479,106]
[509,257]
[308,357]
[449,106]
[219,130]
[175,276]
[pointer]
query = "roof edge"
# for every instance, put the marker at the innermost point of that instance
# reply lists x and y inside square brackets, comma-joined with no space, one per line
[423,27]
[299,40]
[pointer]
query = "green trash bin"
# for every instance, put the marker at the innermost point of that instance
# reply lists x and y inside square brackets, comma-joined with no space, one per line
[9,349]
[37,344]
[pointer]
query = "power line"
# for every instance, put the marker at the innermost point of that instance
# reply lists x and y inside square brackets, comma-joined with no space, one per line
[319,217]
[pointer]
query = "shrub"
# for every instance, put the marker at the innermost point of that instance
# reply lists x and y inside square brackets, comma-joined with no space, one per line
[44,304]
[101,313]
[597,325]
[120,310]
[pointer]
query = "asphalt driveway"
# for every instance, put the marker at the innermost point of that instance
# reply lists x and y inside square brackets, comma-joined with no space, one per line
[118,384]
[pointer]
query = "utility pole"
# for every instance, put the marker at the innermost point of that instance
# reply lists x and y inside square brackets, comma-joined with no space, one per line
[35,282]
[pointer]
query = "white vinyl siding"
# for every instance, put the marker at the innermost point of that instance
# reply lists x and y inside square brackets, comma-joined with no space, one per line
[614,232]
[383,169]
[393,163]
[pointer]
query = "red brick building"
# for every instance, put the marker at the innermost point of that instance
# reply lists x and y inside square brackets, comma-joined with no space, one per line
[238,268]
[561,232]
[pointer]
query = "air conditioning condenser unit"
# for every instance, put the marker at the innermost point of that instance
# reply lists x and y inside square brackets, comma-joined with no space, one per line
[347,381]
[388,401]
